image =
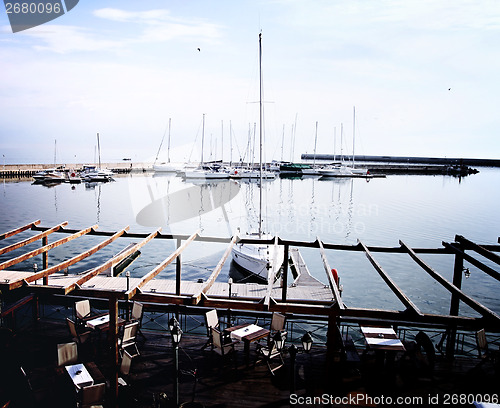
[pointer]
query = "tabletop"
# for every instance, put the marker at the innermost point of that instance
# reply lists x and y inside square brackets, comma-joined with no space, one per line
[79,375]
[382,338]
[247,332]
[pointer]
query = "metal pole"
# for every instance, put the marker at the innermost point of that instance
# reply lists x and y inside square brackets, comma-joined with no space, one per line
[176,373]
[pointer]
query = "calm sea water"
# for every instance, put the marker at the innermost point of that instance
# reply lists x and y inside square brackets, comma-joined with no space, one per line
[422,211]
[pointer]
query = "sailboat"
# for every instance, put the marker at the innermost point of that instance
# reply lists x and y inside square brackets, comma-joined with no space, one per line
[353,169]
[259,260]
[313,171]
[52,175]
[93,173]
[166,167]
[204,171]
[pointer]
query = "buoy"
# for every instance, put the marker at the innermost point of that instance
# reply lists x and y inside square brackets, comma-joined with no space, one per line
[335,276]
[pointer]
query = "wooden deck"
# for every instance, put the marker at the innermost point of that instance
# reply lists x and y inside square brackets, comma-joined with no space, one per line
[228,383]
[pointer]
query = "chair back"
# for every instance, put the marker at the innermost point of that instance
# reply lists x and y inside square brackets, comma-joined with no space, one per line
[126,363]
[72,327]
[216,338]
[67,353]
[93,394]
[136,311]
[82,309]
[277,322]
[482,343]
[129,332]
[212,319]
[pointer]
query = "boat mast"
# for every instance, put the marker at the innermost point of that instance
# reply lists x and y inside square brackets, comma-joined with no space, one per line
[315,141]
[99,149]
[353,133]
[168,152]
[260,133]
[202,138]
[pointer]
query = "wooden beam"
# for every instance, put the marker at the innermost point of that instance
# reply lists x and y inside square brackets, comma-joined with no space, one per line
[329,277]
[392,285]
[69,262]
[32,239]
[45,248]
[478,307]
[210,281]
[18,230]
[478,248]
[146,278]
[490,271]
[110,262]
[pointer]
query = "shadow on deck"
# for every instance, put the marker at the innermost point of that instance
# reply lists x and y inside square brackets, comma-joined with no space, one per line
[233,382]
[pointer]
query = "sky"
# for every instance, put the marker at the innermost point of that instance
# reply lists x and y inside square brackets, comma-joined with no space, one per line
[422,76]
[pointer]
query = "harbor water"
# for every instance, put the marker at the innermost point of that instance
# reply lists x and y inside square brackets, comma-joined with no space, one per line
[421,211]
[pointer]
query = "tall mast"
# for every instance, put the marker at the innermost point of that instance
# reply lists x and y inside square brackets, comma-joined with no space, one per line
[202,138]
[315,141]
[222,142]
[260,133]
[353,133]
[168,153]
[99,149]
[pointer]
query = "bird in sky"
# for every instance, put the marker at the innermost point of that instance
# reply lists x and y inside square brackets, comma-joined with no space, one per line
[199,49]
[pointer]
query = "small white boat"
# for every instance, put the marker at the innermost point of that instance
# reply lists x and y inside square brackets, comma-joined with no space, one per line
[74,177]
[240,173]
[335,171]
[49,175]
[92,173]
[206,172]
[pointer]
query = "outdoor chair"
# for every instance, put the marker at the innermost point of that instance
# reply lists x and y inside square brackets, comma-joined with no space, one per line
[222,346]
[81,337]
[136,315]
[277,322]
[270,353]
[92,396]
[211,321]
[82,309]
[125,368]
[482,345]
[128,340]
[67,353]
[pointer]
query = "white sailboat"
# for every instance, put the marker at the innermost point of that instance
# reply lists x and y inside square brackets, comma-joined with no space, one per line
[166,167]
[205,171]
[93,173]
[52,175]
[313,171]
[357,171]
[259,260]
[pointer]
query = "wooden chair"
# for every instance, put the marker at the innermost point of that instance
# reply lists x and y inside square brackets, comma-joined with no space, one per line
[277,322]
[80,338]
[92,396]
[67,353]
[269,353]
[211,321]
[482,344]
[220,346]
[82,310]
[136,315]
[125,368]
[128,340]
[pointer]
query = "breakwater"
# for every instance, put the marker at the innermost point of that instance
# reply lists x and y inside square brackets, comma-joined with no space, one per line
[11,171]
[409,160]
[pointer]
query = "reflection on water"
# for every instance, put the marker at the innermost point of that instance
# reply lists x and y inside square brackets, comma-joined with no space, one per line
[420,210]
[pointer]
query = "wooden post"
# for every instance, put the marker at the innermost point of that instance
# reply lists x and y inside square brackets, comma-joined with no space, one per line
[178,271]
[332,338]
[114,354]
[45,261]
[455,304]
[284,280]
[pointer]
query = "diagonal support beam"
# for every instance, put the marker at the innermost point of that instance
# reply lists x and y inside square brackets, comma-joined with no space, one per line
[67,263]
[478,307]
[149,276]
[34,238]
[478,248]
[272,275]
[392,285]
[46,248]
[110,262]
[20,229]
[210,281]
[331,281]
[490,271]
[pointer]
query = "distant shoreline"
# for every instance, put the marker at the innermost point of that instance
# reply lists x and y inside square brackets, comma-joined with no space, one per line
[410,159]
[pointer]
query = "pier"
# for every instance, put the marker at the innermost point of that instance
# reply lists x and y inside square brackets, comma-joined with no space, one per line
[308,304]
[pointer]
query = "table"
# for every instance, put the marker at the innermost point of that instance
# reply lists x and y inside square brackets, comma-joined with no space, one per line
[101,322]
[248,333]
[79,375]
[382,338]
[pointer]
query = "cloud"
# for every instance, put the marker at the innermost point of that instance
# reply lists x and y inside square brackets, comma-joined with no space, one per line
[162,26]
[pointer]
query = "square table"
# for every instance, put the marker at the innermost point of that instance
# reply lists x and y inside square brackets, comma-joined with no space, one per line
[79,375]
[101,322]
[248,333]
[382,338]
